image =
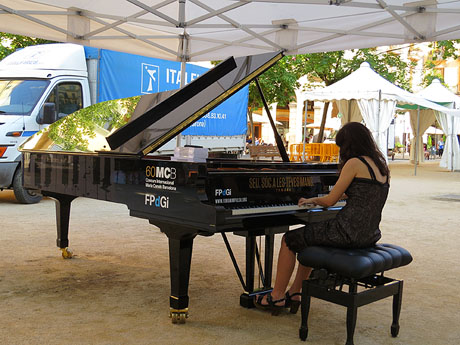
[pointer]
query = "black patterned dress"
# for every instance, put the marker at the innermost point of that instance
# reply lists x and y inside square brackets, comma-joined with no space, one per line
[356,225]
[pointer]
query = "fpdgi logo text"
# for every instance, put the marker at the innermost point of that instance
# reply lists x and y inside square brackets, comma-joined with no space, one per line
[157,200]
[223,192]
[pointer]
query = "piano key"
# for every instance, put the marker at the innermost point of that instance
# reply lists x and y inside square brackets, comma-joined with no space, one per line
[281,208]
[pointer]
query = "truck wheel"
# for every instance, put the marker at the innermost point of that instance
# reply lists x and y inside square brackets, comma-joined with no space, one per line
[23,195]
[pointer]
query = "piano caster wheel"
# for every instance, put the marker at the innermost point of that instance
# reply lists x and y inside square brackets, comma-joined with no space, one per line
[178,316]
[66,253]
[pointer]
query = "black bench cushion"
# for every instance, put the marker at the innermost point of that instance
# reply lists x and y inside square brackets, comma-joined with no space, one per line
[355,263]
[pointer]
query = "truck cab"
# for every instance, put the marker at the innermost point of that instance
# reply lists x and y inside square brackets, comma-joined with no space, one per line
[37,87]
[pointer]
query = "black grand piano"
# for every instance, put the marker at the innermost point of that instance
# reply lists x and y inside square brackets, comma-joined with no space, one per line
[107,152]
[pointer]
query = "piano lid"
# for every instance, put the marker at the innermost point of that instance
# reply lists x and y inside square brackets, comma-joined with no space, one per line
[142,124]
[175,114]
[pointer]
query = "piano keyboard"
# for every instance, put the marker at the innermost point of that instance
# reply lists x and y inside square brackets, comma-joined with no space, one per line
[283,208]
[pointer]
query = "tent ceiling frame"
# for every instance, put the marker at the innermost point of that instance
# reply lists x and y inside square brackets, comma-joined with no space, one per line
[35,20]
[446,31]
[131,19]
[134,36]
[214,13]
[337,35]
[357,4]
[239,42]
[154,11]
[239,26]
[176,28]
[400,19]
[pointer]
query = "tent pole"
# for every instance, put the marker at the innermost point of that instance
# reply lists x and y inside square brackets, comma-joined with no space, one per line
[305,130]
[452,145]
[184,53]
[349,110]
[416,140]
[378,123]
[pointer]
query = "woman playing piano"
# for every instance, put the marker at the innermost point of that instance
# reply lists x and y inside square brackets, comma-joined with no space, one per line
[364,181]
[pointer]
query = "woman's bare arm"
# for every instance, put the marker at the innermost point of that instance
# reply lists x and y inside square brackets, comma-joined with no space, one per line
[347,175]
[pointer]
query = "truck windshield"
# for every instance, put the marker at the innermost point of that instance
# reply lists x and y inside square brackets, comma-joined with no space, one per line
[18,97]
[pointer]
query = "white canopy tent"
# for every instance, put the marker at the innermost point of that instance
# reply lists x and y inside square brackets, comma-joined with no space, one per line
[204,30]
[365,95]
[450,125]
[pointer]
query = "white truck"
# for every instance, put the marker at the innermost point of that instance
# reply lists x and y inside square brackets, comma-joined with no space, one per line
[62,78]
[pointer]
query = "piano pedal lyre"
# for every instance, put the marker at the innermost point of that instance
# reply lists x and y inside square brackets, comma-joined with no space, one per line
[178,315]
[66,253]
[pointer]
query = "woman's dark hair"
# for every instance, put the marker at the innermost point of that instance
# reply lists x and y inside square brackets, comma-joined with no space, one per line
[354,140]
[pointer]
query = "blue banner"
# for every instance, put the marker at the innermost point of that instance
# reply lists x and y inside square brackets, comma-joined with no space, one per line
[229,118]
[126,75]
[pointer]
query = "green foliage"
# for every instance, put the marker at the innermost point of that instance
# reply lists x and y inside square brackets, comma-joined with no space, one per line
[73,132]
[432,75]
[440,51]
[333,66]
[16,42]
[443,50]
[280,82]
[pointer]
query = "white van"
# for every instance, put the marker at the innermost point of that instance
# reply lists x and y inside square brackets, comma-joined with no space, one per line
[37,85]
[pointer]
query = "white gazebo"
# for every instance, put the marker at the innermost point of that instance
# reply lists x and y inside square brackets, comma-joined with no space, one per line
[366,95]
[450,124]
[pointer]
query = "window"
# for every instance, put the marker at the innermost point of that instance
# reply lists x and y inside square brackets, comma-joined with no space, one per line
[67,97]
[19,97]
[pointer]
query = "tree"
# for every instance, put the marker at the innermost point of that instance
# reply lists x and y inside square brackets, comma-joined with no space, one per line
[278,83]
[325,68]
[440,52]
[73,132]
[9,43]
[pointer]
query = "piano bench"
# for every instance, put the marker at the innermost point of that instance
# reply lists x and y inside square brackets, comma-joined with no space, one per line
[362,271]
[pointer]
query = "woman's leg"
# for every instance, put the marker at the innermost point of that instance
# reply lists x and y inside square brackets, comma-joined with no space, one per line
[303,272]
[284,269]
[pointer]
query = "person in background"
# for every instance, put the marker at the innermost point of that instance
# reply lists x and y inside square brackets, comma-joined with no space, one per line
[433,152]
[364,182]
[440,147]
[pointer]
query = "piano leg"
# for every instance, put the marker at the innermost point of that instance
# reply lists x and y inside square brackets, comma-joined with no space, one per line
[247,298]
[180,257]
[269,245]
[62,221]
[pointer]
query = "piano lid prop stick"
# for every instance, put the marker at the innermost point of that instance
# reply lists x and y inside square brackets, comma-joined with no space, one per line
[279,142]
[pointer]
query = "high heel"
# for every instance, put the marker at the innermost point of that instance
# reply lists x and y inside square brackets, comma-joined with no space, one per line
[271,306]
[293,304]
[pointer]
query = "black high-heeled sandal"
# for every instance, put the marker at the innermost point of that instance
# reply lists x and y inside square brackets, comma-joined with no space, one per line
[293,304]
[271,306]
